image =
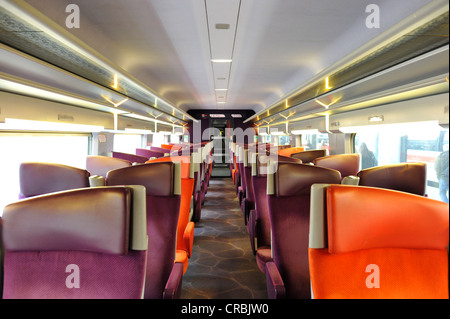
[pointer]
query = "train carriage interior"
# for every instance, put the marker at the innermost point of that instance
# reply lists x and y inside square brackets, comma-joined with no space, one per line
[224,149]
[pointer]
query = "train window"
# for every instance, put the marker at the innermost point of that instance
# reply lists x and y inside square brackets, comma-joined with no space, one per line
[408,142]
[284,140]
[127,143]
[175,138]
[67,149]
[315,141]
[160,138]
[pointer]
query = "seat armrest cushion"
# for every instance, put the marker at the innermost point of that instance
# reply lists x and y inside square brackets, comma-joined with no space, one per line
[173,286]
[189,237]
[251,226]
[275,284]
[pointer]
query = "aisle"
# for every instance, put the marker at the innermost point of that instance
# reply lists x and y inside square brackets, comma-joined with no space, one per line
[222,265]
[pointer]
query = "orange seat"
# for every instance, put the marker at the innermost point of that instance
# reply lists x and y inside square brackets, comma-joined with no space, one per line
[185,230]
[371,243]
[167,146]
[291,150]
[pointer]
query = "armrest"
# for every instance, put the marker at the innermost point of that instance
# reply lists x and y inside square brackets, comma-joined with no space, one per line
[96,181]
[350,180]
[251,227]
[275,285]
[188,237]
[173,286]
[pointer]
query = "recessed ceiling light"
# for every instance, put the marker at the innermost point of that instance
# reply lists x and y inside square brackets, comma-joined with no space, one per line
[221,89]
[221,60]
[222,26]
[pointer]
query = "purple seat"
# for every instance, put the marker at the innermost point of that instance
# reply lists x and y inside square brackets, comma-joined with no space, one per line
[309,156]
[242,189]
[197,192]
[79,244]
[149,153]
[404,177]
[101,165]
[259,223]
[130,157]
[160,149]
[163,197]
[346,164]
[288,203]
[248,202]
[38,178]
[205,171]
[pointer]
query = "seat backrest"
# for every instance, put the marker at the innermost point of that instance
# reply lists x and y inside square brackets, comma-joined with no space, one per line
[38,178]
[187,186]
[133,158]
[309,156]
[346,164]
[163,189]
[368,242]
[101,165]
[288,203]
[160,149]
[149,153]
[290,150]
[405,177]
[259,165]
[85,243]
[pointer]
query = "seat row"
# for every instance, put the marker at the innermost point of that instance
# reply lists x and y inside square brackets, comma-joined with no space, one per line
[282,200]
[202,166]
[58,204]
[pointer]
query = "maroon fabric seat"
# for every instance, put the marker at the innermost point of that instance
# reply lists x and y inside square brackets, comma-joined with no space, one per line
[130,157]
[149,153]
[160,149]
[75,244]
[288,203]
[309,156]
[346,164]
[248,201]
[259,222]
[101,165]
[163,198]
[404,177]
[38,178]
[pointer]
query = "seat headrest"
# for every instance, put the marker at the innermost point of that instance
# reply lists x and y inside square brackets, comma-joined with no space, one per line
[42,178]
[289,150]
[148,153]
[187,170]
[130,157]
[259,162]
[101,165]
[369,217]
[89,219]
[309,156]
[158,178]
[347,164]
[293,179]
[405,177]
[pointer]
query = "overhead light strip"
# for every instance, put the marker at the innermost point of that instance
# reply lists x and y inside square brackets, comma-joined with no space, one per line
[33,17]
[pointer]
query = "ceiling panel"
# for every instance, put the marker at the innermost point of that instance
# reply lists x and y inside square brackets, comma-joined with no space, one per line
[276,46]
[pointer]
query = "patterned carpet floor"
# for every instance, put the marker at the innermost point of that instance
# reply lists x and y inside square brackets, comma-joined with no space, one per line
[222,265]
